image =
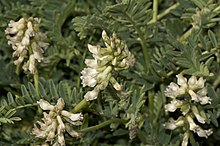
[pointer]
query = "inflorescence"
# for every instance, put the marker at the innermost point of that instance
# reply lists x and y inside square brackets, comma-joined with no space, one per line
[27,42]
[188,96]
[52,128]
[99,72]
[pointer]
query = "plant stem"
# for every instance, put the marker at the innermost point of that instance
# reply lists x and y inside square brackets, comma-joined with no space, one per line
[93,128]
[155,10]
[143,43]
[167,11]
[171,72]
[216,82]
[79,106]
[17,69]
[27,105]
[216,9]
[186,35]
[36,78]
[81,66]
[151,106]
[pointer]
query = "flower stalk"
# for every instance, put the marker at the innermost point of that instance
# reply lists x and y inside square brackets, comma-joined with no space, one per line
[101,125]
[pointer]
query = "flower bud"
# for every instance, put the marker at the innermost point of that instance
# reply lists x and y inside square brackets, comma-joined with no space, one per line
[60,104]
[91,95]
[196,113]
[192,82]
[200,82]
[181,80]
[193,95]
[93,49]
[192,125]
[45,105]
[115,84]
[204,133]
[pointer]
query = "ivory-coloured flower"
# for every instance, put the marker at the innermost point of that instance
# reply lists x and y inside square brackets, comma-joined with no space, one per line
[27,42]
[188,97]
[99,71]
[197,129]
[52,128]
[173,124]
[174,90]
[173,105]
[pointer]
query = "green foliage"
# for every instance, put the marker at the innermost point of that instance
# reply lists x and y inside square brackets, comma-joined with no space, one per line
[166,38]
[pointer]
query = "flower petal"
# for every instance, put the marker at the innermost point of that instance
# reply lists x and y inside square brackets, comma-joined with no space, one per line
[45,105]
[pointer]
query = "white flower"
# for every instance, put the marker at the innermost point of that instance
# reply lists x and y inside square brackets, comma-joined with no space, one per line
[200,96]
[204,133]
[192,82]
[200,82]
[30,65]
[170,125]
[172,90]
[193,95]
[115,84]
[45,105]
[205,100]
[93,49]
[173,105]
[197,129]
[186,96]
[192,125]
[91,95]
[53,128]
[196,84]
[88,78]
[24,35]
[113,58]
[75,118]
[181,81]
[198,116]
[173,124]
[91,63]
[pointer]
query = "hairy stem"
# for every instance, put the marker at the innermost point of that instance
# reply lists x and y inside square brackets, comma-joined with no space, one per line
[27,105]
[81,66]
[186,35]
[155,10]
[216,82]
[101,125]
[167,11]
[79,106]
[17,70]
[143,43]
[151,105]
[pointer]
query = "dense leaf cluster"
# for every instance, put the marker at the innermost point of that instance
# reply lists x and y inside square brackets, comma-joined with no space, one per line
[166,38]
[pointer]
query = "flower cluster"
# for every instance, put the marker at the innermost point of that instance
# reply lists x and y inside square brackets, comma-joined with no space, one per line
[114,57]
[53,128]
[27,41]
[188,96]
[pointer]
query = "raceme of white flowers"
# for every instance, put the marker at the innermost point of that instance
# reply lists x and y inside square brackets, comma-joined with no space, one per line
[115,57]
[52,128]
[27,42]
[188,96]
